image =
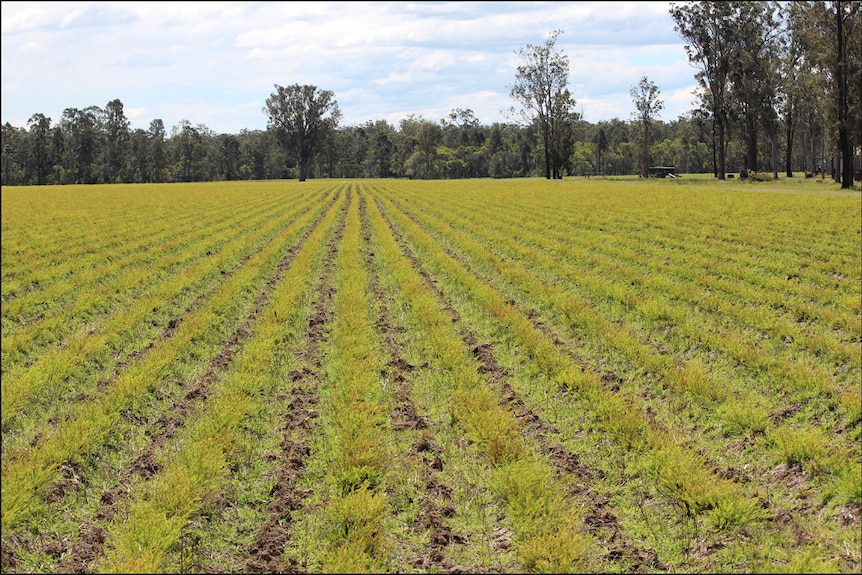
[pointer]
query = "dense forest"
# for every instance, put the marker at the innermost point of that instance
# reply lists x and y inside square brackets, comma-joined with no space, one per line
[780,91]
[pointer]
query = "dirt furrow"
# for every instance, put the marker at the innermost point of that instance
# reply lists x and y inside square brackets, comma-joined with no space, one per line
[435,502]
[264,555]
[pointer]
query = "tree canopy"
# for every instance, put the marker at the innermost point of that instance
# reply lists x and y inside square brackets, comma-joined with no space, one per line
[301,118]
[540,89]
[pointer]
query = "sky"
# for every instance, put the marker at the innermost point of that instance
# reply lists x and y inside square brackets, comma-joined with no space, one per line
[216,63]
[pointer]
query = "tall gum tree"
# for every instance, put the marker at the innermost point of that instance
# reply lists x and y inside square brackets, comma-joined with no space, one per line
[755,75]
[540,89]
[708,30]
[831,36]
[645,95]
[116,127]
[302,117]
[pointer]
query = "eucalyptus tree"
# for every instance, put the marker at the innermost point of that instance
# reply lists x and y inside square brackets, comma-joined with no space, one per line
[116,128]
[137,167]
[755,74]
[831,33]
[13,160]
[804,108]
[462,128]
[616,154]
[188,152]
[645,95]
[464,137]
[342,157]
[40,131]
[792,92]
[564,118]
[82,140]
[601,141]
[156,152]
[379,160]
[540,89]
[57,154]
[506,149]
[426,136]
[302,117]
[229,157]
[67,127]
[253,149]
[708,29]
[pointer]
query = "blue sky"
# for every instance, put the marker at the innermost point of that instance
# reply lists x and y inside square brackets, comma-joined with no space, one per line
[215,63]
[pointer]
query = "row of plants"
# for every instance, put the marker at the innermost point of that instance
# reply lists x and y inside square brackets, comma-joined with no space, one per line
[401,376]
[675,309]
[104,342]
[354,415]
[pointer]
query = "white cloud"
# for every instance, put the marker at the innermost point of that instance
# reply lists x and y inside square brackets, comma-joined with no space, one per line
[215,62]
[402,78]
[25,16]
[134,113]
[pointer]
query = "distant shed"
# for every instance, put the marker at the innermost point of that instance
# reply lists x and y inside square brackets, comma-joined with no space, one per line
[662,172]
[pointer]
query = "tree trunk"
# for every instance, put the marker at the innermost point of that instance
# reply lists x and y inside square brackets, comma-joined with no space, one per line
[546,139]
[788,154]
[774,138]
[714,150]
[843,135]
[751,142]
[722,152]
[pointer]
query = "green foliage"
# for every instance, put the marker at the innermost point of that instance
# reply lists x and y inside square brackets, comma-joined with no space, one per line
[562,550]
[851,402]
[807,560]
[696,378]
[626,423]
[355,478]
[803,446]
[681,475]
[359,442]
[354,527]
[736,511]
[847,481]
[656,310]
[347,559]
[740,417]
[525,486]
[547,537]
[757,176]
[488,424]
[300,117]
[140,544]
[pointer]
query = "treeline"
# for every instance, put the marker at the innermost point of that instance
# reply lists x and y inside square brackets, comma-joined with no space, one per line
[779,90]
[95,145]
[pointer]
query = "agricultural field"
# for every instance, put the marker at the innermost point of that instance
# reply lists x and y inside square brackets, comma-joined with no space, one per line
[475,376]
